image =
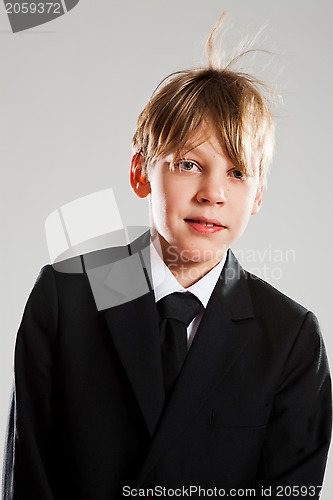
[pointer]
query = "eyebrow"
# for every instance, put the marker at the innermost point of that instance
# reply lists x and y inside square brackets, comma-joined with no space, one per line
[189,148]
[194,148]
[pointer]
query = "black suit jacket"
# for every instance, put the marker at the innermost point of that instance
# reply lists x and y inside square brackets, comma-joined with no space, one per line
[251,408]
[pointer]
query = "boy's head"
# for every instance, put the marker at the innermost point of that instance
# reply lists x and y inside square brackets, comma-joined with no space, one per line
[230,103]
[202,148]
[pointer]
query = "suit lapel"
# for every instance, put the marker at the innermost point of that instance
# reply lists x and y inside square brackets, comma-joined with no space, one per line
[221,338]
[120,282]
[134,330]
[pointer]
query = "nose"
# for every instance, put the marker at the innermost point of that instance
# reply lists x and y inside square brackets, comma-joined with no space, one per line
[211,191]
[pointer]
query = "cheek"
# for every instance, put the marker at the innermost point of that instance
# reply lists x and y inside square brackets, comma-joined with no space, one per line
[158,208]
[171,200]
[164,206]
[242,208]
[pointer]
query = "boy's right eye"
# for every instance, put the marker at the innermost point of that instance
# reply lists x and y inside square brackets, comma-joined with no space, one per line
[237,174]
[187,166]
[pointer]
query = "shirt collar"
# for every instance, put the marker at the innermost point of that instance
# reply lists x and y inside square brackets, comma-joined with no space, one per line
[165,283]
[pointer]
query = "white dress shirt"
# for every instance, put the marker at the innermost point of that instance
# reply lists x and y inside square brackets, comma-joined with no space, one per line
[165,283]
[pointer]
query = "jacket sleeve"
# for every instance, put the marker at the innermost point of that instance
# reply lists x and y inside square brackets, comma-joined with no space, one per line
[299,430]
[30,458]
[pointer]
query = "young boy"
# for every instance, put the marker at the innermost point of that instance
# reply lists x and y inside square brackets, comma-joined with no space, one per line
[130,398]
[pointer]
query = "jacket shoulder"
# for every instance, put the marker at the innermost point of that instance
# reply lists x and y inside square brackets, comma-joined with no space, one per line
[78,264]
[270,297]
[285,322]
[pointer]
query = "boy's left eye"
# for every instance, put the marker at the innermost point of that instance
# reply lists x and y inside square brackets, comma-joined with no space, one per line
[237,174]
[187,166]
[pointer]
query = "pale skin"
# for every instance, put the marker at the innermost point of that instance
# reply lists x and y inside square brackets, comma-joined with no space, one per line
[204,187]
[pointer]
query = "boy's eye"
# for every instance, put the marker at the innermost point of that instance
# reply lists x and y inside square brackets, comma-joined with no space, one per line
[237,174]
[187,166]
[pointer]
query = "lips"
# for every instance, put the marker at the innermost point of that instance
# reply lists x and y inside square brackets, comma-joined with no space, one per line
[205,222]
[205,226]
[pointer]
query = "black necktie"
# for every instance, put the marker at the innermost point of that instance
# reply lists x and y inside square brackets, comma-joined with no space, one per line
[177,310]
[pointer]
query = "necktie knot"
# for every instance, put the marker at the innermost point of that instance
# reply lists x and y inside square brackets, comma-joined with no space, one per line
[183,307]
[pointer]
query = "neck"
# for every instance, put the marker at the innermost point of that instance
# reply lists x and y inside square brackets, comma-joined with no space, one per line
[186,272]
[187,275]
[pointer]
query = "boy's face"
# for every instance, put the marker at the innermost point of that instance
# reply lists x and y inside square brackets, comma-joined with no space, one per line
[202,206]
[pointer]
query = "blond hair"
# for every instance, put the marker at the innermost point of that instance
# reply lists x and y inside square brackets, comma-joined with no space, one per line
[231,103]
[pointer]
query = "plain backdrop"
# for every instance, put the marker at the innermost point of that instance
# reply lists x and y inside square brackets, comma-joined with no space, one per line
[71,91]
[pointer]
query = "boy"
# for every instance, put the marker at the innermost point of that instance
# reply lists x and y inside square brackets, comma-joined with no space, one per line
[131,399]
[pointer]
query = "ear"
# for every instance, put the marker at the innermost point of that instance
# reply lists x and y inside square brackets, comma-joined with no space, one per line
[257,200]
[139,183]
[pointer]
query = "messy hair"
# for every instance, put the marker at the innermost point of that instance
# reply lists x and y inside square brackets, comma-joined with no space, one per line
[231,103]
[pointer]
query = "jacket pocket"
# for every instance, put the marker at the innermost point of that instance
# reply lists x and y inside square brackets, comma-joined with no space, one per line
[240,417]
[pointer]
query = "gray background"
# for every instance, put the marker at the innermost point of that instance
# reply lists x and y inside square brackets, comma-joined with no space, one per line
[71,91]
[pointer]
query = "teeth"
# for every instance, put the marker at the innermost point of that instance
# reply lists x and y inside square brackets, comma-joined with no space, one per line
[205,223]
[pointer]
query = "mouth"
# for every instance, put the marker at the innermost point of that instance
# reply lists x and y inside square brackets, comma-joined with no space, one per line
[205,226]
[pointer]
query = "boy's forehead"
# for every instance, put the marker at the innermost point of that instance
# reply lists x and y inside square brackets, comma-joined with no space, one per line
[200,137]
